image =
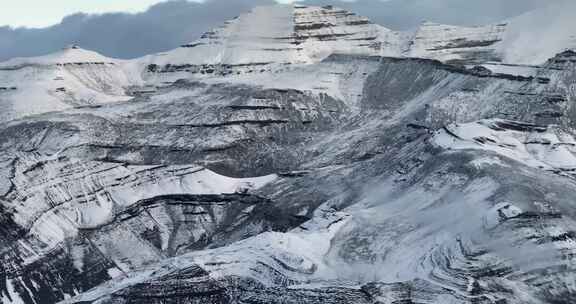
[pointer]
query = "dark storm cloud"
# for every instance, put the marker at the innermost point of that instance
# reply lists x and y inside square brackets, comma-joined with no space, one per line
[167,25]
[163,26]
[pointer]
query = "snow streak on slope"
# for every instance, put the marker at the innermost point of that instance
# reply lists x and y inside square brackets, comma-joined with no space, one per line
[322,31]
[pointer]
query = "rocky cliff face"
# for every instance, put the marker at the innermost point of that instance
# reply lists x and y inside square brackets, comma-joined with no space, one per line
[355,179]
[459,45]
[348,207]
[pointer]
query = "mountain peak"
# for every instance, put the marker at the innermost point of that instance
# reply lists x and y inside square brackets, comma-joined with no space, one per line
[71,54]
[280,34]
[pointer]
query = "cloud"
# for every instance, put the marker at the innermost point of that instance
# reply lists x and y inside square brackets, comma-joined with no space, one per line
[407,14]
[166,25]
[163,26]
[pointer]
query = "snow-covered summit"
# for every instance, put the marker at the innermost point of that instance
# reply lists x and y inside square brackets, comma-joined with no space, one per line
[72,54]
[283,34]
[528,39]
[67,78]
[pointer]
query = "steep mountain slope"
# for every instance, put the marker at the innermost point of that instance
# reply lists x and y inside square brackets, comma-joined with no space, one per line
[270,38]
[357,206]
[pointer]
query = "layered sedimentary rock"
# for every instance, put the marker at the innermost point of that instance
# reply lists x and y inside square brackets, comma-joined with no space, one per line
[457,44]
[348,209]
[269,38]
[266,39]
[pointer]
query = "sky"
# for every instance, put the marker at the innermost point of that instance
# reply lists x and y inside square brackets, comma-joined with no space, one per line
[134,28]
[42,13]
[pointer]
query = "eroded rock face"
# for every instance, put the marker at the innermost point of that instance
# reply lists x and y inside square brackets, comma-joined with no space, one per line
[455,44]
[77,212]
[75,184]
[310,194]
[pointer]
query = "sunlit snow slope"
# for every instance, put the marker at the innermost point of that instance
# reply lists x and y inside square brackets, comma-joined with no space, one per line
[68,78]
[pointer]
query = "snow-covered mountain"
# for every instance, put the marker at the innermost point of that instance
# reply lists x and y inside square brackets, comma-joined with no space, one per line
[70,77]
[269,38]
[275,39]
[295,155]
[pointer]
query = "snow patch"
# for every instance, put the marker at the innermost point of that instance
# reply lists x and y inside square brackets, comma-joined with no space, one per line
[550,149]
